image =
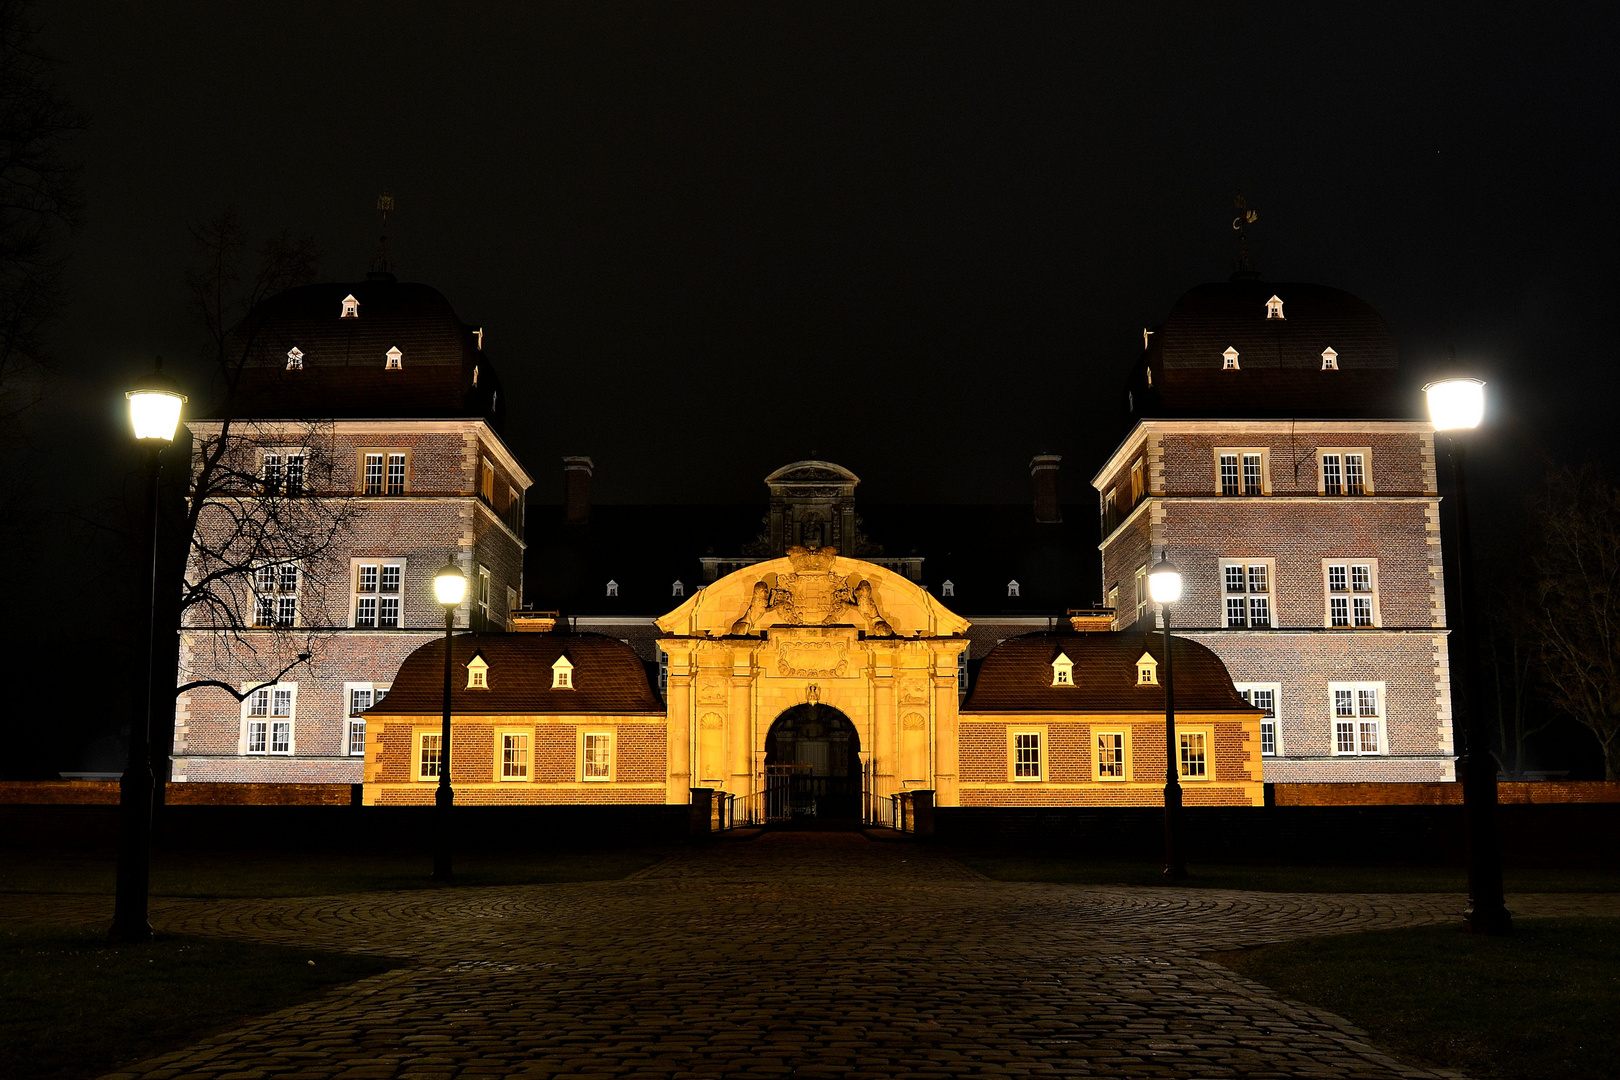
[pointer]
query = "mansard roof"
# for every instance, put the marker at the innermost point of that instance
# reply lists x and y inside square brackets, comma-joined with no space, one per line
[609,678]
[343,373]
[1016,676]
[1279,373]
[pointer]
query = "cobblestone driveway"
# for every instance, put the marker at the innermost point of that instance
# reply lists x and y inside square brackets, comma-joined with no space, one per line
[809,955]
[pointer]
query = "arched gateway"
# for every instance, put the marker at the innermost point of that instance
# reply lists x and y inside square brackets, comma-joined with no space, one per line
[794,649]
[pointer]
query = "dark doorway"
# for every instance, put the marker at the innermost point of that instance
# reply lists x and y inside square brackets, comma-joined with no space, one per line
[813,766]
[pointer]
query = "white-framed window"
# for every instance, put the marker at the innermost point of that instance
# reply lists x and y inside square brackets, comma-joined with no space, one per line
[1274,308]
[514,755]
[663,674]
[268,714]
[1352,593]
[947,588]
[1111,755]
[358,697]
[295,359]
[1026,756]
[283,471]
[486,481]
[1147,670]
[1113,603]
[483,593]
[478,673]
[678,588]
[1330,359]
[562,674]
[1342,471]
[1062,670]
[372,475]
[1246,592]
[395,359]
[270,473]
[613,588]
[1138,481]
[429,756]
[1243,470]
[596,756]
[1264,696]
[1194,754]
[396,474]
[351,307]
[1358,717]
[1142,595]
[1012,588]
[378,593]
[275,595]
[962,671]
[1229,359]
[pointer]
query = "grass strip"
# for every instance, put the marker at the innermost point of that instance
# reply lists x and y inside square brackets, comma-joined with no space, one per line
[1539,1003]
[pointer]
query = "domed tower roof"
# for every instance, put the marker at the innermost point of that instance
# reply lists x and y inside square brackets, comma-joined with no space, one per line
[366,349]
[1249,349]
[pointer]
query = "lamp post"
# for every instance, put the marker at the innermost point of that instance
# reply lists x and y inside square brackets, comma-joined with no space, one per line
[1164,585]
[1456,406]
[449,586]
[154,413]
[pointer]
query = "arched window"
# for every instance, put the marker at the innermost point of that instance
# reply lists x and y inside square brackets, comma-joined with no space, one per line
[295,359]
[1012,588]
[613,588]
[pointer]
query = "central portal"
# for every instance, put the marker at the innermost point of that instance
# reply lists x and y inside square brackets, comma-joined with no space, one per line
[813,764]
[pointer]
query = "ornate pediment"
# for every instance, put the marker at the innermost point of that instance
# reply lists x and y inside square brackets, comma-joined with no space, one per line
[814,593]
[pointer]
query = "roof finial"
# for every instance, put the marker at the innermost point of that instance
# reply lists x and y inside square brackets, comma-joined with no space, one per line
[1243,267]
[381,269]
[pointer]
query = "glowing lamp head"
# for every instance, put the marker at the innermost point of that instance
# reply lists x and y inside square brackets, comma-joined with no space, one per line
[1164,582]
[154,406]
[450,585]
[1455,404]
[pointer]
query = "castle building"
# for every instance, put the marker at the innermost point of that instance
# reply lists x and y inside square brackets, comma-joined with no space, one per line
[1271,459]
[360,452]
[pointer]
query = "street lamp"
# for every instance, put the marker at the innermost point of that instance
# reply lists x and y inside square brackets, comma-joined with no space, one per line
[154,413]
[449,586]
[1456,406]
[1164,585]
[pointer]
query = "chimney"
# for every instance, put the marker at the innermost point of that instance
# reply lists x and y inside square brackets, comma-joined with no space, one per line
[577,490]
[1043,471]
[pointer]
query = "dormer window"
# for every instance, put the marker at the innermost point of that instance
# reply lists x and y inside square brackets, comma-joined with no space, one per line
[613,588]
[1062,671]
[1230,357]
[351,307]
[394,359]
[295,359]
[1012,588]
[1274,308]
[678,589]
[1147,670]
[562,674]
[1330,360]
[478,673]
[948,588]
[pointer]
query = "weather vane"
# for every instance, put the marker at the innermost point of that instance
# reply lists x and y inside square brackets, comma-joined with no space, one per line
[1243,266]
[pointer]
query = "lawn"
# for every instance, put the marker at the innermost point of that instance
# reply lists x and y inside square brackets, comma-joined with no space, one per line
[1281,878]
[73,1006]
[212,874]
[1539,1003]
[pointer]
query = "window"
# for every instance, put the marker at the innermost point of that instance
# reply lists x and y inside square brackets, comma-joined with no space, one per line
[295,359]
[294,466]
[1111,755]
[1344,472]
[1062,670]
[1113,602]
[514,756]
[1229,359]
[962,671]
[596,756]
[486,482]
[269,719]
[1263,696]
[613,588]
[373,475]
[1274,308]
[1026,764]
[511,607]
[1012,588]
[1358,718]
[562,674]
[396,474]
[271,474]
[1352,593]
[1142,596]
[275,601]
[477,673]
[428,755]
[663,674]
[678,588]
[378,593]
[1243,470]
[483,594]
[1147,670]
[1194,754]
[351,307]
[395,359]
[1138,482]
[1246,592]
[1229,474]
[361,696]
[1251,474]
[1330,360]
[948,588]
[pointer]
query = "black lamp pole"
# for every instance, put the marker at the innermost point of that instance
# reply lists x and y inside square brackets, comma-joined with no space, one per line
[445,797]
[1175,862]
[1487,910]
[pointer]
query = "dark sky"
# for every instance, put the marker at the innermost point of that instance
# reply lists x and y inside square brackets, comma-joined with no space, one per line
[918,239]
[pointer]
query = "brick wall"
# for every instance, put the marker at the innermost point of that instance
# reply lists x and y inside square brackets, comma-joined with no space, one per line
[1399,462]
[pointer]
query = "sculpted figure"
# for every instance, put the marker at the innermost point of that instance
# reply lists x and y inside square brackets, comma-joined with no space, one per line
[761,608]
[867,606]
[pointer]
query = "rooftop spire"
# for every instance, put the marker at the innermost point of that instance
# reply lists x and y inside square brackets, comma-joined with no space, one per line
[1243,267]
[381,268]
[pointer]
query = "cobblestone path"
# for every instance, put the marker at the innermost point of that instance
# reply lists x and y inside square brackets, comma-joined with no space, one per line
[806,955]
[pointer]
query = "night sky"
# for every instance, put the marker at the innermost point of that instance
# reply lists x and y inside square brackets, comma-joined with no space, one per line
[921,240]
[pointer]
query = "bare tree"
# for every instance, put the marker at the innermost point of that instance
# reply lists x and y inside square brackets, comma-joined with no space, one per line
[1576,613]
[1510,667]
[39,200]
